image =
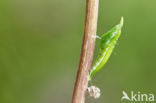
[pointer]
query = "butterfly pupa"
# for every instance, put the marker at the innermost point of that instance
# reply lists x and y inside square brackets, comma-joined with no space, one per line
[107,44]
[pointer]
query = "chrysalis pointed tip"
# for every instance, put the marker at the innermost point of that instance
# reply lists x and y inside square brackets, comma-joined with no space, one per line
[121,21]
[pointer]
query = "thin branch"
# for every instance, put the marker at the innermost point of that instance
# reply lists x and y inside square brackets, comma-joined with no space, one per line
[87,51]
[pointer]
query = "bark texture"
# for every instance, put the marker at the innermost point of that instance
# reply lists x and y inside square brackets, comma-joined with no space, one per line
[87,51]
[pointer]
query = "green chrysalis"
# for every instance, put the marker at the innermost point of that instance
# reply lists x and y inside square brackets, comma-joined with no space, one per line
[107,44]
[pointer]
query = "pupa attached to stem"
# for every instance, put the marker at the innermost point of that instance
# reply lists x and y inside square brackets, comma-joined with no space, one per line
[107,44]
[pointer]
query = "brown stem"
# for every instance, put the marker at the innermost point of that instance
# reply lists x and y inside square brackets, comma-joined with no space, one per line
[87,51]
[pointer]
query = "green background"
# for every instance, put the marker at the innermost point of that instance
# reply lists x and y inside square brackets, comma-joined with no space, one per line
[40,42]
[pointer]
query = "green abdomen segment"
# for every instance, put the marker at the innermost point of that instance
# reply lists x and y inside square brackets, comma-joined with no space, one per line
[101,60]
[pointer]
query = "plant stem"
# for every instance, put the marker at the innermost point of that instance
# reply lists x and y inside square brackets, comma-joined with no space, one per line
[87,51]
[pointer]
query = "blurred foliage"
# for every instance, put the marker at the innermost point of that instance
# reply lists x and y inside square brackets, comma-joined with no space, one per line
[40,42]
